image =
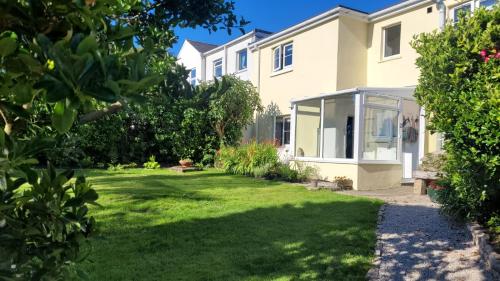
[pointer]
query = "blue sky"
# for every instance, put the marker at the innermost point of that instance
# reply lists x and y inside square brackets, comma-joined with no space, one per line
[274,15]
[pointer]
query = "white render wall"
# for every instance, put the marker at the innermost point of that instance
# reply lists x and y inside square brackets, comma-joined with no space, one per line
[228,53]
[191,58]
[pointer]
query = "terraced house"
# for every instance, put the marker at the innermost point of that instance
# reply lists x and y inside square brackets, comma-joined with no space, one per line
[339,87]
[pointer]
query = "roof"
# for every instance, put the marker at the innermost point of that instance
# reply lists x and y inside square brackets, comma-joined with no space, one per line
[201,47]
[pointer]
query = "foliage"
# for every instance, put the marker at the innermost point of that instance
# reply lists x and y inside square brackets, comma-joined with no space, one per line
[73,62]
[343,182]
[332,236]
[43,221]
[459,87]
[232,105]
[243,160]
[261,160]
[152,164]
[433,162]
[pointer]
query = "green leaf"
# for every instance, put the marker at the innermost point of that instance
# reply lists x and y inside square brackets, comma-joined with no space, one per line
[88,44]
[24,93]
[2,138]
[7,46]
[63,117]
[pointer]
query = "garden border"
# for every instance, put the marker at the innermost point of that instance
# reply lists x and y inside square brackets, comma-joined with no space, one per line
[488,255]
[373,273]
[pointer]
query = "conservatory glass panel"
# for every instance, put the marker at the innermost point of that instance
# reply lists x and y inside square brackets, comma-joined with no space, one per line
[380,134]
[308,126]
[338,127]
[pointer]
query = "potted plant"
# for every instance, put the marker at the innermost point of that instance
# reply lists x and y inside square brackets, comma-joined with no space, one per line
[186,162]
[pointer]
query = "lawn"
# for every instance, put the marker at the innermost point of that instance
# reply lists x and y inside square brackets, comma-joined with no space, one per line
[160,225]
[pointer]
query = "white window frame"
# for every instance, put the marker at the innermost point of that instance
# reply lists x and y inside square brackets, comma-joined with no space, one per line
[283,55]
[238,58]
[472,8]
[280,60]
[215,65]
[192,80]
[384,31]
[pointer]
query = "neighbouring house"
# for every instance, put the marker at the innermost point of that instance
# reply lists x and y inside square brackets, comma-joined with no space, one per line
[341,88]
[207,61]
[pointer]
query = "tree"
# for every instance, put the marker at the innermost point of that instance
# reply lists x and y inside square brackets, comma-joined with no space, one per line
[88,57]
[459,87]
[233,103]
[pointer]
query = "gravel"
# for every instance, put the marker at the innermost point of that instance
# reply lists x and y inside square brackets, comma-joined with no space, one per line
[417,242]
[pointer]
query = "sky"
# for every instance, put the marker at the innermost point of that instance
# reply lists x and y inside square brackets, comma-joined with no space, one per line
[274,16]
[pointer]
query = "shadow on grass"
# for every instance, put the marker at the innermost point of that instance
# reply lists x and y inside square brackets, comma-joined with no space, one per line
[314,241]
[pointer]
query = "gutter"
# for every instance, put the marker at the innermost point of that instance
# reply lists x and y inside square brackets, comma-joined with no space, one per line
[397,9]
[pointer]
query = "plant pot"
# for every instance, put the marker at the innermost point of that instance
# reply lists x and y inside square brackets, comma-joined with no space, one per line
[186,163]
[433,194]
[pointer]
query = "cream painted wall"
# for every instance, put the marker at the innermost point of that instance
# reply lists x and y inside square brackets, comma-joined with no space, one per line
[308,124]
[379,176]
[400,71]
[328,171]
[352,53]
[313,71]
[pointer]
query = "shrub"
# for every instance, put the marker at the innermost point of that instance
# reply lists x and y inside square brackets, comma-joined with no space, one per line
[43,220]
[248,159]
[459,86]
[152,164]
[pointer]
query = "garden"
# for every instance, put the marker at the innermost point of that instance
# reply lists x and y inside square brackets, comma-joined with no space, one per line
[93,108]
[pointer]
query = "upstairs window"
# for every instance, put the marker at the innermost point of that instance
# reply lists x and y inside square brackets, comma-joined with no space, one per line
[277,58]
[242,59]
[488,4]
[462,10]
[192,77]
[392,40]
[218,68]
[283,56]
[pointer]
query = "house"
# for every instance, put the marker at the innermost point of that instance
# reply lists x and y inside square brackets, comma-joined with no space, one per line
[341,87]
[206,61]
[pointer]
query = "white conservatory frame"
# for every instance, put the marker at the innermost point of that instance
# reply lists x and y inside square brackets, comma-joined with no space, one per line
[360,104]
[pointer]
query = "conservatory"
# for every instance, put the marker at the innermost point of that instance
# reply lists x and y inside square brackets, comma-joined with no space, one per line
[370,135]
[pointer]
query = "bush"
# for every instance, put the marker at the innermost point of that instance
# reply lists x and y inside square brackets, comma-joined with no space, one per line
[152,164]
[459,86]
[248,159]
[43,220]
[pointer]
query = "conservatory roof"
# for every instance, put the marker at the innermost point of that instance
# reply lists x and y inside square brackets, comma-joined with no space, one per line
[404,92]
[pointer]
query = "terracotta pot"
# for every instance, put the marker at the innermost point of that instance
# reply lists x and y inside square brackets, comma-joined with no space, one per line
[186,163]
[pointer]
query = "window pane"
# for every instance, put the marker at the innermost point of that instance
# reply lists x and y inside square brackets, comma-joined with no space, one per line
[242,60]
[381,100]
[338,127]
[286,130]
[460,11]
[392,40]
[487,3]
[307,137]
[193,73]
[380,134]
[288,57]
[277,58]
[278,131]
[218,68]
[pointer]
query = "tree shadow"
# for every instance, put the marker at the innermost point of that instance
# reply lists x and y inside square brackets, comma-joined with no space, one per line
[312,241]
[419,243]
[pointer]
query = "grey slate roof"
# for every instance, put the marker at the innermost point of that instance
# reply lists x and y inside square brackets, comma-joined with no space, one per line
[202,47]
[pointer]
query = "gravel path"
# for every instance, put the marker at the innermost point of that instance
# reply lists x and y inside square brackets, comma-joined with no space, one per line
[416,242]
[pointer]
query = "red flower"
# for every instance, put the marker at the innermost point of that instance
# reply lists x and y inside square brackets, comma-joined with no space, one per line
[483,53]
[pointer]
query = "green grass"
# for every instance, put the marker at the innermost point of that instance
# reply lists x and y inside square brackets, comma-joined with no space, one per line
[160,225]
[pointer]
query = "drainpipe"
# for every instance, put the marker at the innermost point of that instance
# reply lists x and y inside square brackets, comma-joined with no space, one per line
[442,14]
